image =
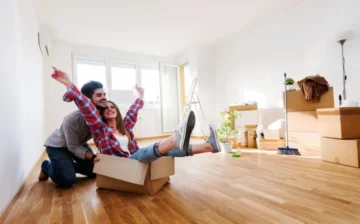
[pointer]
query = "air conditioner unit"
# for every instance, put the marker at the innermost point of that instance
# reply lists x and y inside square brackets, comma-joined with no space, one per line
[44,40]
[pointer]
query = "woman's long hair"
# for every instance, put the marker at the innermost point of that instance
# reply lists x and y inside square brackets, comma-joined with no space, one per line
[119,121]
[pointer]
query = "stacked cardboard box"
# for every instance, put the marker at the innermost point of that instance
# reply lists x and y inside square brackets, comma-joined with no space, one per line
[302,121]
[339,129]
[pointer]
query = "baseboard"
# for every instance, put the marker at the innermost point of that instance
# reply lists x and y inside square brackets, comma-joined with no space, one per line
[18,192]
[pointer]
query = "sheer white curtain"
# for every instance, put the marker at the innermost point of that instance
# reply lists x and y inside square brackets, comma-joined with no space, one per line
[169,98]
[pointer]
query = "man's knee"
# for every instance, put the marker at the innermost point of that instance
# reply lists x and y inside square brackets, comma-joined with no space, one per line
[66,180]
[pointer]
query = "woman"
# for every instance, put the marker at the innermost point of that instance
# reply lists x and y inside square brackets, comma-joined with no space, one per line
[114,136]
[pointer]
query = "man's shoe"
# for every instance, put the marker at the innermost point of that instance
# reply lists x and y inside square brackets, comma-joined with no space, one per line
[43,176]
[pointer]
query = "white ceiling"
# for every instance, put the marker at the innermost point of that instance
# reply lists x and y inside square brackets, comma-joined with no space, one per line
[158,27]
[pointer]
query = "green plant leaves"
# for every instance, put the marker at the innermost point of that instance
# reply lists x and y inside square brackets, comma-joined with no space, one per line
[225,130]
[289,81]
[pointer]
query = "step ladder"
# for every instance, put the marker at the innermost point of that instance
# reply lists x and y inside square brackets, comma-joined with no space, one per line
[194,99]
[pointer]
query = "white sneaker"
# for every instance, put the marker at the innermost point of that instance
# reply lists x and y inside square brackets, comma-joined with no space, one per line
[184,130]
[213,139]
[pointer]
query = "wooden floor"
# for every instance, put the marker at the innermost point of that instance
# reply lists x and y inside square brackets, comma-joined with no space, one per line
[207,188]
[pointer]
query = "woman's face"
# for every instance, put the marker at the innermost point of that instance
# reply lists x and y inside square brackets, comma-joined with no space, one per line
[110,111]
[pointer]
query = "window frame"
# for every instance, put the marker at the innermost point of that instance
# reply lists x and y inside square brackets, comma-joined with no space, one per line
[74,77]
[131,63]
[138,64]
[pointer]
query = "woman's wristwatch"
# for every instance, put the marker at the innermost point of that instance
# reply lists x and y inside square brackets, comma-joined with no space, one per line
[93,157]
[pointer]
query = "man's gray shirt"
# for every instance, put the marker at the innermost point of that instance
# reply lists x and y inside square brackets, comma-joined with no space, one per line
[72,134]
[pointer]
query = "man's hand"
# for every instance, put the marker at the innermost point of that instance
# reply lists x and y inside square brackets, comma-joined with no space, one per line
[97,159]
[62,77]
[89,155]
[140,91]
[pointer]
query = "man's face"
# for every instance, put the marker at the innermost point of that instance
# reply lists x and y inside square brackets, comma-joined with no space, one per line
[99,98]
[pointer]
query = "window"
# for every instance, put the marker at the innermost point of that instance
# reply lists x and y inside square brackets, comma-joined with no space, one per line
[123,81]
[150,81]
[87,70]
[161,109]
[123,76]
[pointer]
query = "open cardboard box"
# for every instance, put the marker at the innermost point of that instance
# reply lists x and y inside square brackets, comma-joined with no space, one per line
[296,101]
[124,174]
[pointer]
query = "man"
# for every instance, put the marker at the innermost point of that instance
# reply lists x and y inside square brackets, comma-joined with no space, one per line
[67,146]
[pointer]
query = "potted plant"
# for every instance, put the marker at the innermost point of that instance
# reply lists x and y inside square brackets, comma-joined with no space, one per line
[290,84]
[224,132]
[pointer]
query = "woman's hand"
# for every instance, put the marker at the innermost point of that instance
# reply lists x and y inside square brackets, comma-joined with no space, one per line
[140,91]
[62,77]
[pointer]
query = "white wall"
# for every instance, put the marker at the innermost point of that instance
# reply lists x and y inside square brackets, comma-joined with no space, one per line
[301,42]
[56,109]
[21,90]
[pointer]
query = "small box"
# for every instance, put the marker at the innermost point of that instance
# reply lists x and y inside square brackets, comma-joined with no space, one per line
[342,123]
[303,121]
[125,174]
[272,134]
[296,101]
[251,141]
[265,144]
[307,143]
[344,152]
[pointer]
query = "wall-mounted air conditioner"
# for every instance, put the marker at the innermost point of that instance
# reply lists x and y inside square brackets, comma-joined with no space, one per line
[44,40]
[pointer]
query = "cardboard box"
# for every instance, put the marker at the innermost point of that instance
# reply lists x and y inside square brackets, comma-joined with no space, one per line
[251,127]
[251,141]
[344,152]
[303,121]
[271,134]
[307,143]
[342,123]
[124,174]
[296,101]
[265,144]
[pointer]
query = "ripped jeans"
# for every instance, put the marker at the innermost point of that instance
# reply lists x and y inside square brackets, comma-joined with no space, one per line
[151,153]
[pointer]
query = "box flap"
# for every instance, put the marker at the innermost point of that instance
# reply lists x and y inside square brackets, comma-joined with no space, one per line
[162,167]
[251,126]
[129,170]
[339,111]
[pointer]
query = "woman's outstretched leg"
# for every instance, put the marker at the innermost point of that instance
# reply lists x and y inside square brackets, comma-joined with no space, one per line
[180,140]
[211,145]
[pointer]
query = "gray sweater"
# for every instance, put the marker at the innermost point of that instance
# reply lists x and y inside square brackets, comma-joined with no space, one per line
[72,134]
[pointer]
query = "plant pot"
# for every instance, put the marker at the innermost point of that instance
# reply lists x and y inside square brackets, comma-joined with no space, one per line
[290,87]
[226,147]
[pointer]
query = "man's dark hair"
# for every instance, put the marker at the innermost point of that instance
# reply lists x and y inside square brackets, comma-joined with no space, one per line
[89,88]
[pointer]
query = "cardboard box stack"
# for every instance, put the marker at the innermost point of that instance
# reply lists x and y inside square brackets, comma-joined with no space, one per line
[302,121]
[339,129]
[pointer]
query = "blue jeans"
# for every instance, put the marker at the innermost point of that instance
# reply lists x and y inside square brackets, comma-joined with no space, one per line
[151,153]
[65,165]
